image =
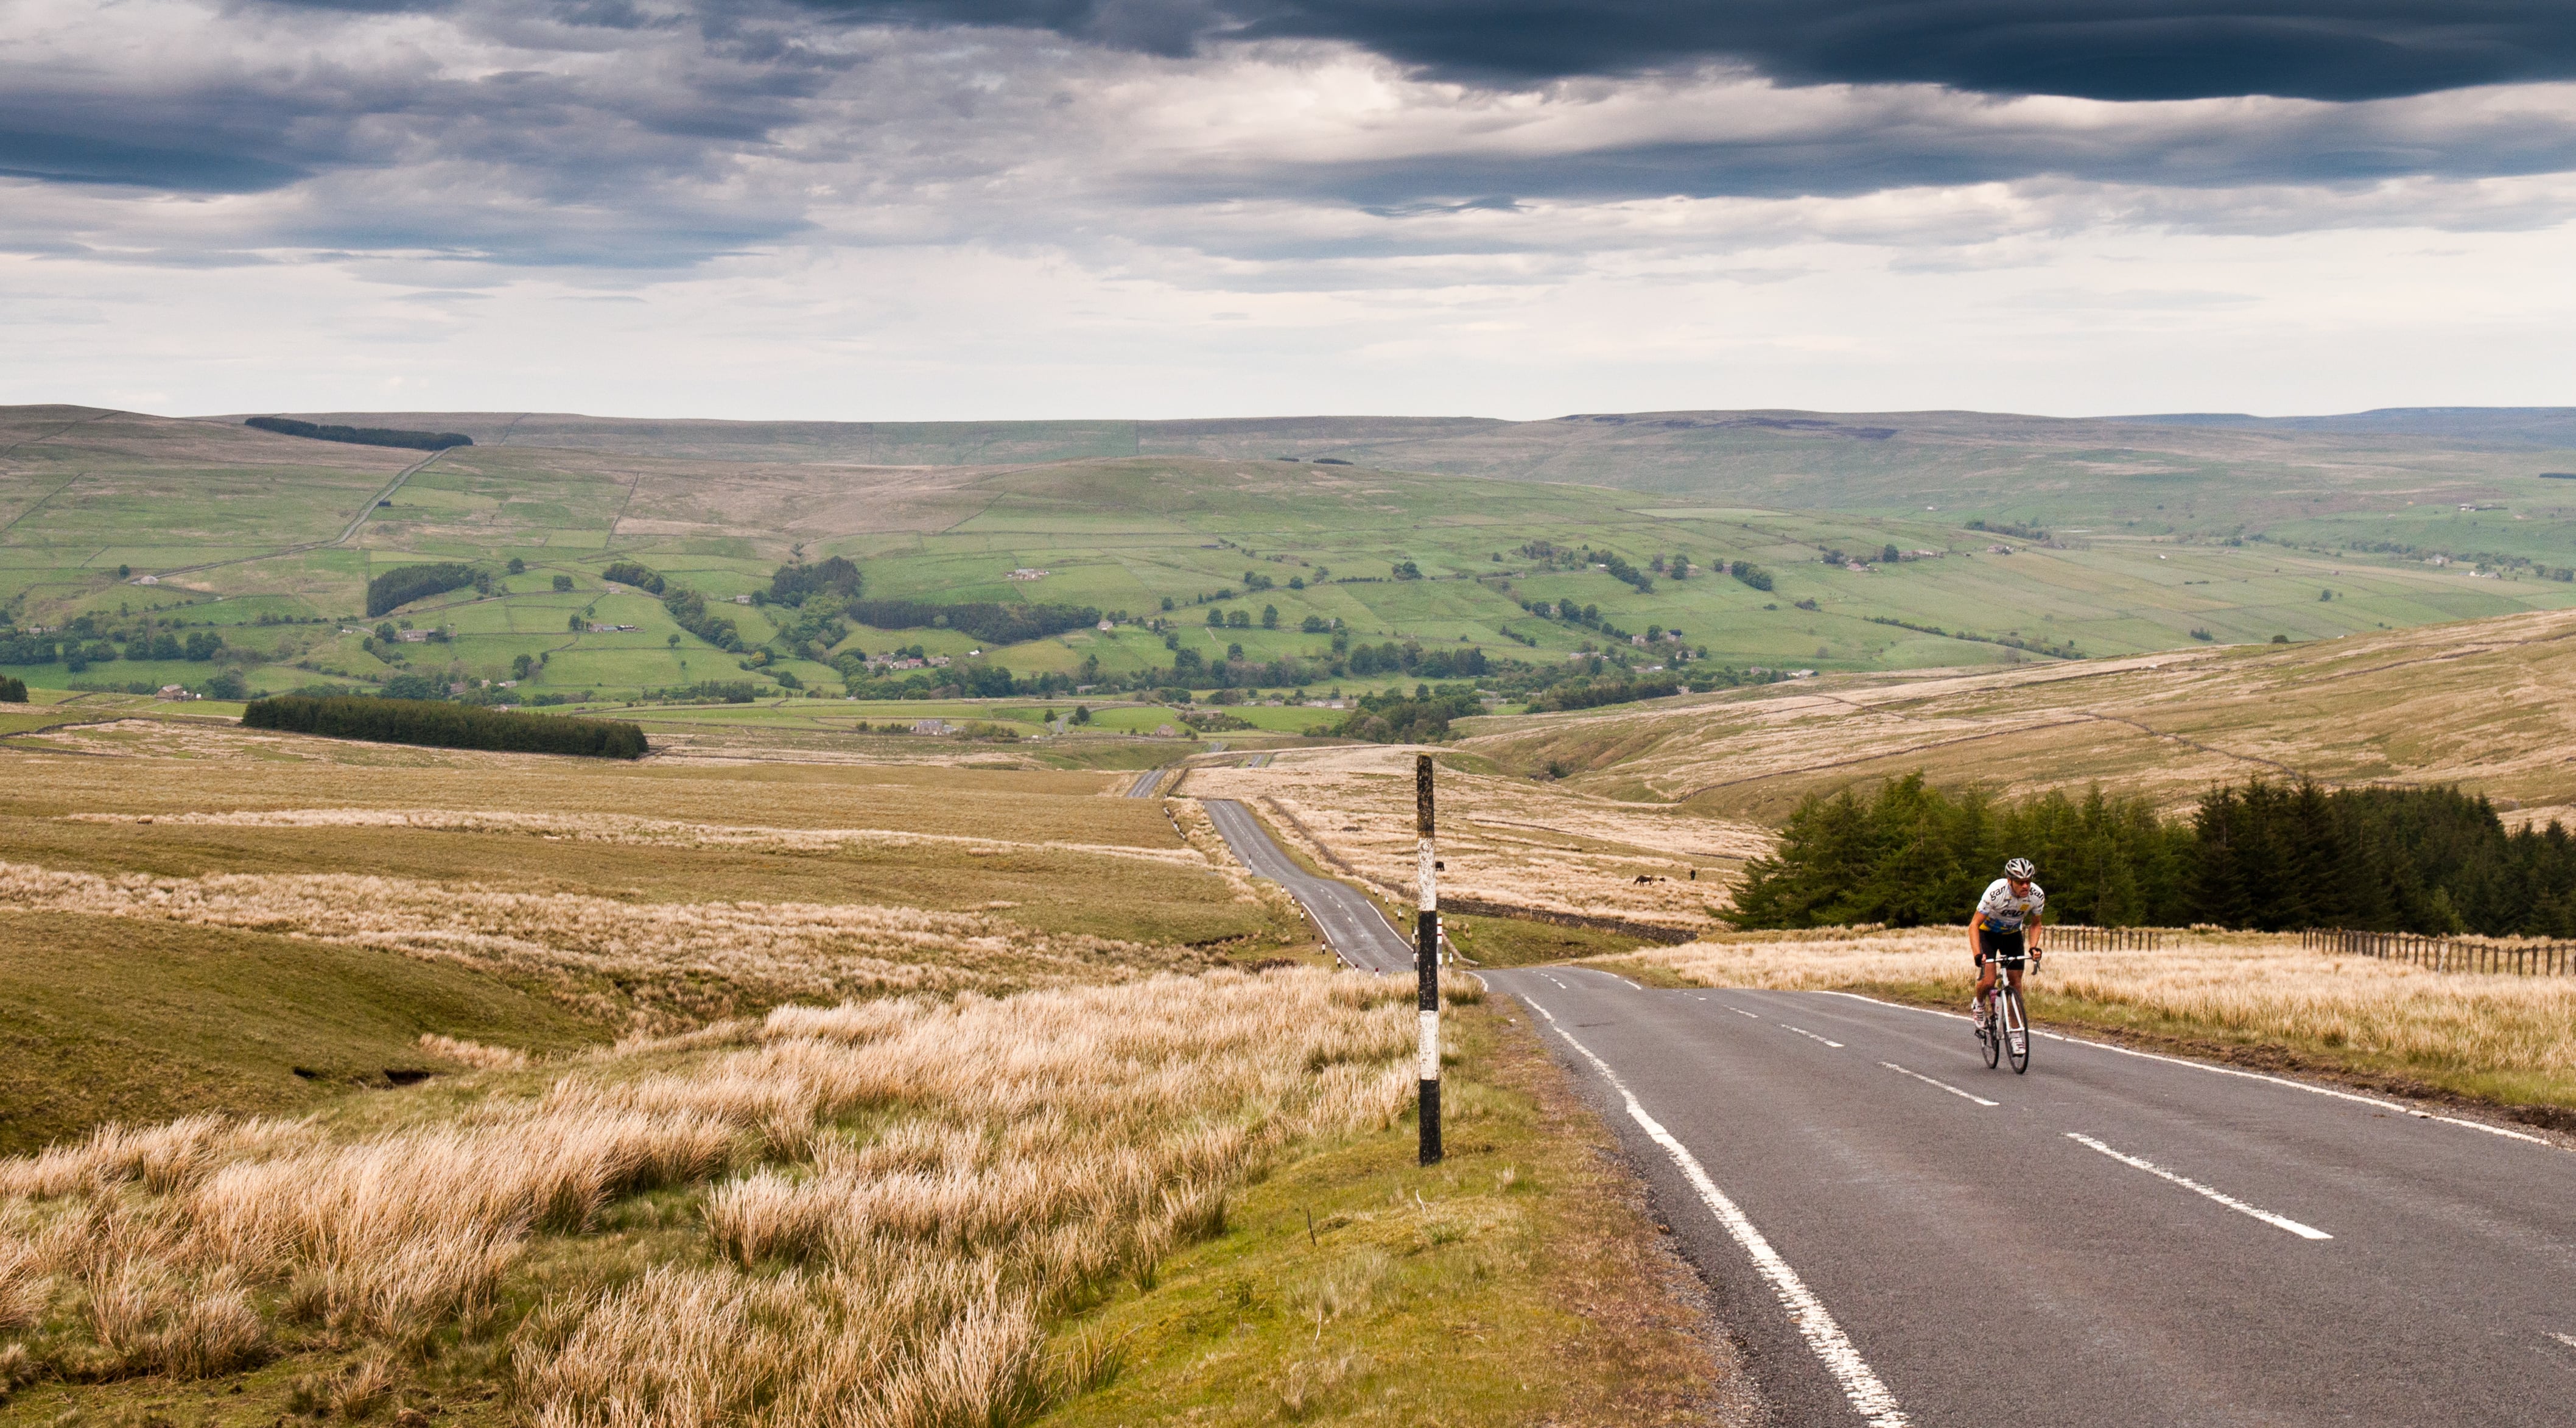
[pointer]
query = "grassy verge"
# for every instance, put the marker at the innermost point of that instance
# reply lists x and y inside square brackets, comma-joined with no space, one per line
[2245,999]
[896,1233]
[1521,1281]
[1516,942]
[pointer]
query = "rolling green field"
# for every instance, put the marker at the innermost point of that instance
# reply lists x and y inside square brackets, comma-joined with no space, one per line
[2224,537]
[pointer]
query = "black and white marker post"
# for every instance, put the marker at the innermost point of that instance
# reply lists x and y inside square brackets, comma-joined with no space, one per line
[1426,960]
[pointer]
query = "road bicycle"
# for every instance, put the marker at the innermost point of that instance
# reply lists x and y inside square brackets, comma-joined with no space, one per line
[2004,1031]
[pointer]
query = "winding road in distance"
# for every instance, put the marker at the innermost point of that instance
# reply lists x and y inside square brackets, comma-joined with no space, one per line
[1349,919]
[1901,1236]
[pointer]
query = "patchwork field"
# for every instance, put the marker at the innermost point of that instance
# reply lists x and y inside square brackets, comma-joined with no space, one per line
[2211,537]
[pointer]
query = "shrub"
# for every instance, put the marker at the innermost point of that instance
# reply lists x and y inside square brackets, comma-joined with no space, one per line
[446,726]
[563,584]
[406,583]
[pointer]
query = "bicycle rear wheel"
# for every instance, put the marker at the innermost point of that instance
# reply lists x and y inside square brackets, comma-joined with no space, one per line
[2016,1031]
[1990,1036]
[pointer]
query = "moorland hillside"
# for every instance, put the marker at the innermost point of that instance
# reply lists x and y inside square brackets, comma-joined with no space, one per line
[2484,704]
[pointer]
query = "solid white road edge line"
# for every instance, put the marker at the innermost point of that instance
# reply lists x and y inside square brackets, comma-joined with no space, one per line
[2305,1232]
[1944,1085]
[1860,1384]
[2396,1106]
[1802,1031]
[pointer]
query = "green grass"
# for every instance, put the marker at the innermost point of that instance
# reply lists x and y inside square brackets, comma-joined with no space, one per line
[1516,1282]
[1518,942]
[112,1019]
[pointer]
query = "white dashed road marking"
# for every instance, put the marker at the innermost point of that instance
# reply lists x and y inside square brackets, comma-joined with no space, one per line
[1869,1396]
[2403,1110]
[1944,1085]
[2568,1339]
[1811,1036]
[2305,1232]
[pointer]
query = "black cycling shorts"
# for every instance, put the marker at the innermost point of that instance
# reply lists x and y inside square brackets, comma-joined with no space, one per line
[2005,947]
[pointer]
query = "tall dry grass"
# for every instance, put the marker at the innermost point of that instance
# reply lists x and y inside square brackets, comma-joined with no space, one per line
[635,830]
[671,964]
[884,1202]
[2243,986]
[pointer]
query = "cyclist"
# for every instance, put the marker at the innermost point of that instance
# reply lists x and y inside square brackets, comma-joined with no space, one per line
[2006,917]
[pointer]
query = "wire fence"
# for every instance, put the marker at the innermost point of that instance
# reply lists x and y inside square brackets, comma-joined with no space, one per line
[2108,939]
[2448,954]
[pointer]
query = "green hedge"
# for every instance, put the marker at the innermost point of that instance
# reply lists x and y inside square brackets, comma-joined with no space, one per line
[446,726]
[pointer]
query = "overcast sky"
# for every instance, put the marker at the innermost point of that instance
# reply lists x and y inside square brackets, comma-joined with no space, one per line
[944,209]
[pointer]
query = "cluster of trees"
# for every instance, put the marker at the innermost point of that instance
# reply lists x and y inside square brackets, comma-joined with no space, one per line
[1588,616]
[835,579]
[1750,573]
[446,726]
[1593,693]
[627,572]
[688,610]
[991,623]
[2264,856]
[13,690]
[1411,658]
[1570,558]
[1419,718]
[363,435]
[78,655]
[405,583]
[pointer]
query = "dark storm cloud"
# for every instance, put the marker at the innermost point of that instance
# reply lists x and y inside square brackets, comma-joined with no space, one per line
[2095,49]
[653,134]
[73,158]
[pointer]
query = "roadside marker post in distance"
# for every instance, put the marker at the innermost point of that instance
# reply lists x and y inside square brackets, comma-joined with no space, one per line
[1426,959]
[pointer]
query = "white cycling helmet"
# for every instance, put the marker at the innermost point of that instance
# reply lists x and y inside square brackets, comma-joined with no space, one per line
[2020,870]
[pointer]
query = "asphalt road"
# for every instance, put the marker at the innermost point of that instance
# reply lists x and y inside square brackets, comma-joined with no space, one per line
[1902,1236]
[1146,783]
[1351,923]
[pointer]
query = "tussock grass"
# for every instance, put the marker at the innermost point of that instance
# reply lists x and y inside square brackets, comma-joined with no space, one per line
[879,1207]
[656,966]
[1540,846]
[2496,1037]
[635,831]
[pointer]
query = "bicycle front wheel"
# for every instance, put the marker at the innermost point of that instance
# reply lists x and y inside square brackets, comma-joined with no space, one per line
[2016,1029]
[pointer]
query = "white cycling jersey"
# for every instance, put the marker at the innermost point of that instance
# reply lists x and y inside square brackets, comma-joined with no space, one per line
[2004,912]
